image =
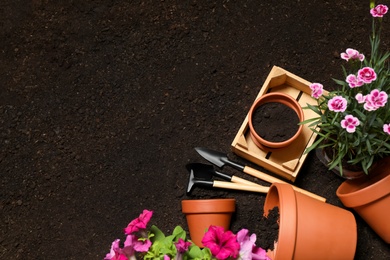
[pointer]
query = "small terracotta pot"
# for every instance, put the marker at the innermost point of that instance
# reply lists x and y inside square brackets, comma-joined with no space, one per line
[309,228]
[201,214]
[277,97]
[370,198]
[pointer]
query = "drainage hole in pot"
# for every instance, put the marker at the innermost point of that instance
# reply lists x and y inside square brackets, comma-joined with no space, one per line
[275,122]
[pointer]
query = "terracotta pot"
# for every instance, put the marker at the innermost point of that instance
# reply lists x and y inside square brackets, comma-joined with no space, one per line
[309,228]
[370,198]
[201,214]
[277,97]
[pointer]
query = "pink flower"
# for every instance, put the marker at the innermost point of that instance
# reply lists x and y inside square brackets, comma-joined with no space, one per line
[128,248]
[379,11]
[221,244]
[375,100]
[248,249]
[360,98]
[182,246]
[351,54]
[139,223]
[349,123]
[354,81]
[386,128]
[166,257]
[142,245]
[117,253]
[337,104]
[316,90]
[367,75]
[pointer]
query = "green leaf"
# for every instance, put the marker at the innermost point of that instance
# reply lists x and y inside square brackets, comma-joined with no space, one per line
[158,234]
[196,253]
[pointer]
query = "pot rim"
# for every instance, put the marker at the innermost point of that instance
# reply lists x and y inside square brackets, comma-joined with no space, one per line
[208,206]
[287,217]
[355,193]
[284,99]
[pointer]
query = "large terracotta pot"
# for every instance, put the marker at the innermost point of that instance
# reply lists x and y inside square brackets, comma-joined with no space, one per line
[309,228]
[370,198]
[201,214]
[276,97]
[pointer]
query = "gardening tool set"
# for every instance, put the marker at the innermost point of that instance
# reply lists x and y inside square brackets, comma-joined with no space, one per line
[202,175]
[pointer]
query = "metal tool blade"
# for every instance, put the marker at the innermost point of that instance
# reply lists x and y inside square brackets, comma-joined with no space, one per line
[217,158]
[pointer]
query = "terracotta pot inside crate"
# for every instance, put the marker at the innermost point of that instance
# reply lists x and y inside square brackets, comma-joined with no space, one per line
[275,97]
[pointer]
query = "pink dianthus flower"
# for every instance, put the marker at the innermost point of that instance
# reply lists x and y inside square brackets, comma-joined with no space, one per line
[386,128]
[316,90]
[351,54]
[379,10]
[360,98]
[367,75]
[337,104]
[354,81]
[349,123]
[375,100]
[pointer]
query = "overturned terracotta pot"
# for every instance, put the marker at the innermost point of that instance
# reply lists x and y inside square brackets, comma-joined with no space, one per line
[309,228]
[201,214]
[274,97]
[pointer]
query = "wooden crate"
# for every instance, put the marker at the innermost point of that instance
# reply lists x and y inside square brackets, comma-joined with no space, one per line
[285,162]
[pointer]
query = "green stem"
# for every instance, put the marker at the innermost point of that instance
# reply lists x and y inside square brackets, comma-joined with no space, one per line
[372,4]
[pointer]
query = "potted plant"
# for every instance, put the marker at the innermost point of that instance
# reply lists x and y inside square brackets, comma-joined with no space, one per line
[218,242]
[353,122]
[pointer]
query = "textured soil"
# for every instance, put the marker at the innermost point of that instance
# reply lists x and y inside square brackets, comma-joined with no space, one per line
[102,103]
[275,122]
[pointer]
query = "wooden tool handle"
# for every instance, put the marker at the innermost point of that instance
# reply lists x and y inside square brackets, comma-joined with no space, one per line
[239,186]
[265,177]
[236,179]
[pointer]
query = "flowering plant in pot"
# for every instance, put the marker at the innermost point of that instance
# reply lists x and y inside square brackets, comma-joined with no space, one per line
[354,120]
[141,243]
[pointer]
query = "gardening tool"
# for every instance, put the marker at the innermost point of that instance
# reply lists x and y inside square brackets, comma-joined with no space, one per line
[206,171]
[207,183]
[220,159]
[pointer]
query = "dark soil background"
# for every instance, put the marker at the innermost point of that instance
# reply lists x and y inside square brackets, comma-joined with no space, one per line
[102,103]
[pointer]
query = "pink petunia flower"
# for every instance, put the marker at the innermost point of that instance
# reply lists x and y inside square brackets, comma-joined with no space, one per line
[139,223]
[375,100]
[337,104]
[367,75]
[128,248]
[248,249]
[117,253]
[351,54]
[360,98]
[316,90]
[386,128]
[182,246]
[349,123]
[221,244]
[142,245]
[354,81]
[379,11]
